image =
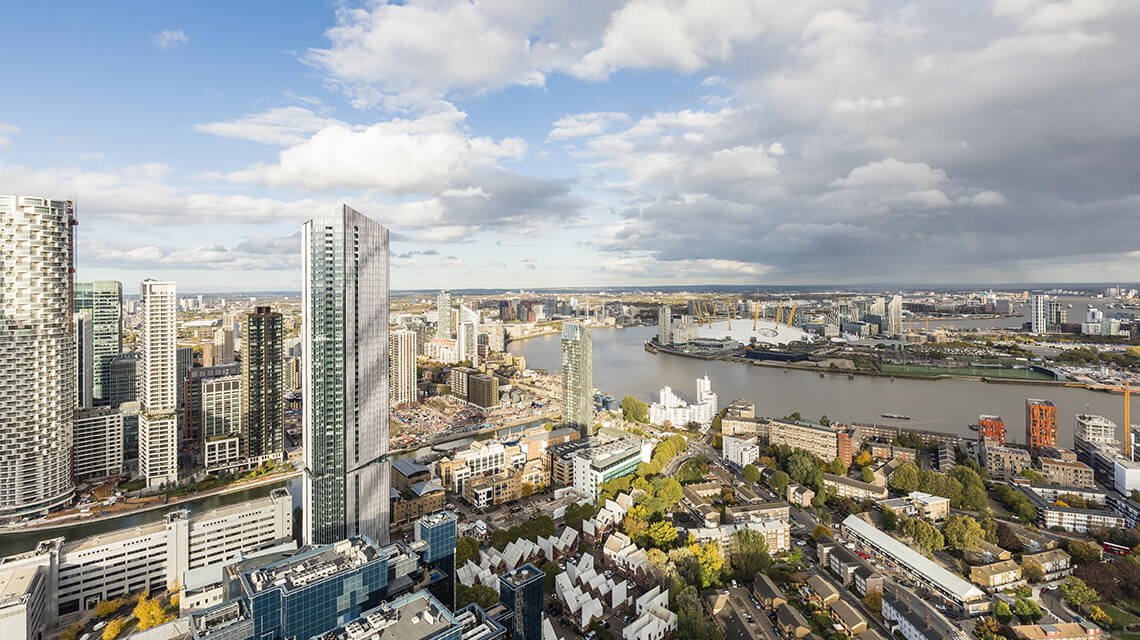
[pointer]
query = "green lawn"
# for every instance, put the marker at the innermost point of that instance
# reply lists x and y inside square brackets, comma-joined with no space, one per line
[919,370]
[1120,617]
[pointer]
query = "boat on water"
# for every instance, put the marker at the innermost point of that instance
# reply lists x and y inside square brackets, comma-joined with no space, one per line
[973,427]
[896,416]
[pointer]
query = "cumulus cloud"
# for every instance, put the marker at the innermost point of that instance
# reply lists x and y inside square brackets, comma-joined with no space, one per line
[5,131]
[169,39]
[284,126]
[584,124]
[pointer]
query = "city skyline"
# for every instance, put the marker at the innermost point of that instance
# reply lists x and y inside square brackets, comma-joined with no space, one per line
[555,148]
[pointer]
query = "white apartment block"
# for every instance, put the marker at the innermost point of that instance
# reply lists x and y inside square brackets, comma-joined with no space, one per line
[672,409]
[154,556]
[23,603]
[37,355]
[402,369]
[740,451]
[98,443]
[158,425]
[481,458]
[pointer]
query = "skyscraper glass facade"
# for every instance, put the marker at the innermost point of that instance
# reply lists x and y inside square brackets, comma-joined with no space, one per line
[439,532]
[577,377]
[103,299]
[520,591]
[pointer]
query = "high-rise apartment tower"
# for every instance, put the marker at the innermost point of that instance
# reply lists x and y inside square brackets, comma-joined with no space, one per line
[577,377]
[103,299]
[263,401]
[158,395]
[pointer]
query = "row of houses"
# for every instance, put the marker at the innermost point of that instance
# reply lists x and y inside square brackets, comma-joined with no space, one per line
[494,563]
[587,594]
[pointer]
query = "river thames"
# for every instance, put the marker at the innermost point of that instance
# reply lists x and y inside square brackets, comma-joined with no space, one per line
[623,367]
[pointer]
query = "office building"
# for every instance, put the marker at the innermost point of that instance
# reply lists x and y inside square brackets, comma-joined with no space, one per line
[154,556]
[1039,314]
[443,327]
[672,409]
[577,377]
[345,338]
[1040,424]
[483,390]
[98,443]
[439,532]
[37,355]
[103,299]
[402,354]
[520,591]
[262,400]
[124,378]
[929,575]
[192,397]
[184,363]
[598,463]
[416,616]
[992,428]
[130,411]
[222,423]
[481,458]
[84,361]
[824,442]
[664,325]
[158,425]
[23,602]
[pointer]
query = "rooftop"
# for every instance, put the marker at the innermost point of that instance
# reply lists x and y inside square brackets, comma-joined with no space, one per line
[15,583]
[917,562]
[416,616]
[920,614]
[408,468]
[314,565]
[990,570]
[522,575]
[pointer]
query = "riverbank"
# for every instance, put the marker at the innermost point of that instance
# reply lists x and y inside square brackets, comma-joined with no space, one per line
[71,521]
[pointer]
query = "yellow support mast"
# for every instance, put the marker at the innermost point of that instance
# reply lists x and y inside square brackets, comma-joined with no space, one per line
[755,314]
[780,312]
[792,313]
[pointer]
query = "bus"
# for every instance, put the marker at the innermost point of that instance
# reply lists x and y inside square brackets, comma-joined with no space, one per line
[1117,549]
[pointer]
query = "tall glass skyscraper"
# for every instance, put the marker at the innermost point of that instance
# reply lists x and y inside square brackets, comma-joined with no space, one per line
[103,299]
[37,355]
[577,377]
[345,338]
[520,591]
[263,400]
[439,531]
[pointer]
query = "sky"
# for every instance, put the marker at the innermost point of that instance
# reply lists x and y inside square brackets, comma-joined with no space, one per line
[553,143]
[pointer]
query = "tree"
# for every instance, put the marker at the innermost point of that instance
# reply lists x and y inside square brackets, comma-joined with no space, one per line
[114,628]
[1032,572]
[485,597]
[500,538]
[107,607]
[634,410]
[824,420]
[989,629]
[711,562]
[749,554]
[961,532]
[1027,610]
[662,534]
[778,483]
[868,475]
[837,467]
[889,520]
[1076,592]
[1081,552]
[1002,612]
[751,473]
[820,531]
[1007,539]
[149,613]
[905,478]
[550,570]
[802,468]
[874,601]
[793,417]
[863,459]
[527,489]
[466,548]
[1097,615]
[576,513]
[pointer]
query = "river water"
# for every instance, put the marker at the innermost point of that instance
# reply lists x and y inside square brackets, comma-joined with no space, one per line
[623,367]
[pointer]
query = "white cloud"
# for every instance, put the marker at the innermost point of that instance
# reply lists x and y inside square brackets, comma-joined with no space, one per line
[5,131]
[983,199]
[863,104]
[891,172]
[776,149]
[283,126]
[584,124]
[169,39]
[422,155]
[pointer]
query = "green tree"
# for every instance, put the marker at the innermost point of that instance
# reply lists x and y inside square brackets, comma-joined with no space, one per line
[466,548]
[576,513]
[1002,612]
[824,420]
[527,489]
[485,597]
[751,473]
[778,482]
[837,467]
[634,410]
[867,475]
[961,532]
[802,468]
[889,520]
[863,459]
[793,417]
[1077,593]
[1027,610]
[1081,552]
[749,555]
[662,534]
[905,478]
[1032,572]
[550,571]
[711,562]
[874,601]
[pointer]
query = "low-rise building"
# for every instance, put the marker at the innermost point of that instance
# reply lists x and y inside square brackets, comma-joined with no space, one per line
[799,495]
[845,487]
[417,500]
[1004,462]
[1059,631]
[1052,563]
[1071,519]
[1065,472]
[867,581]
[845,615]
[767,592]
[791,624]
[915,619]
[821,590]
[739,451]
[997,576]
[488,491]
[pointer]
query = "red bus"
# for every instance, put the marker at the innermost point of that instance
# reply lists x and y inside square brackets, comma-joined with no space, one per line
[1117,549]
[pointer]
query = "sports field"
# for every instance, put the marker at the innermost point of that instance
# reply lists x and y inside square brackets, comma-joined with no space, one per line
[919,370]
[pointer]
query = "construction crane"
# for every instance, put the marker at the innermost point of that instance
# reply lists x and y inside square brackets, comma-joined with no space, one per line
[792,313]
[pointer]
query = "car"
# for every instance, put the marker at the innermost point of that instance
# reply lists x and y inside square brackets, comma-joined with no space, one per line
[100,625]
